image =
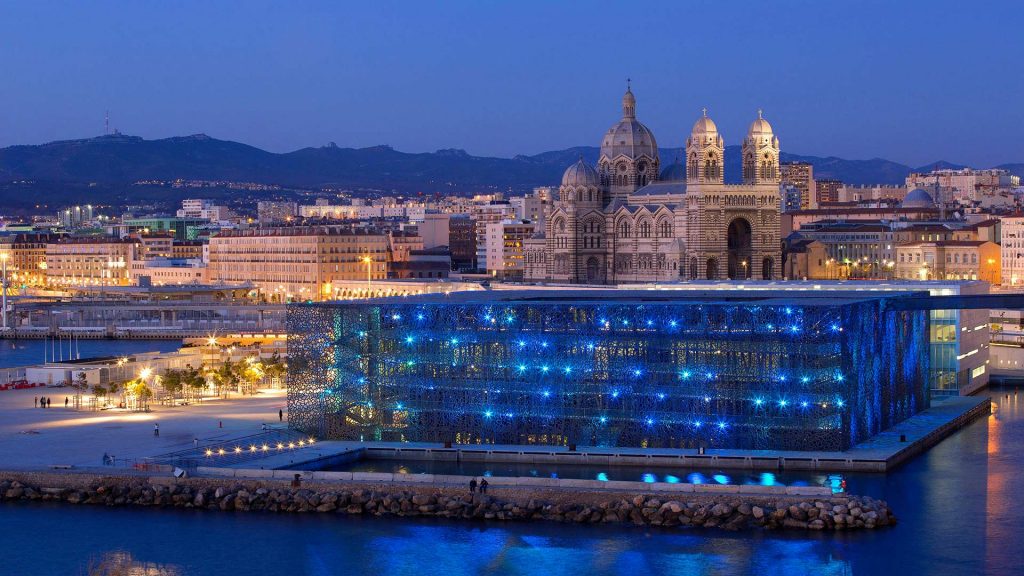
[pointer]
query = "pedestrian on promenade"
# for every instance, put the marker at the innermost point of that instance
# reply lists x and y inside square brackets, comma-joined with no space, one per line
[280,415]
[48,401]
[297,481]
[472,486]
[156,429]
[483,485]
[106,458]
[35,402]
[66,401]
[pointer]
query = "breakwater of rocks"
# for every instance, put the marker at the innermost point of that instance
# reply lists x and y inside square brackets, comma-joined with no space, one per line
[727,511]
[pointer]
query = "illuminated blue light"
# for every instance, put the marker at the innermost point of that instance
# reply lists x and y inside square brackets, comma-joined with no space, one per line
[758,401]
[590,346]
[649,478]
[546,394]
[602,477]
[661,395]
[783,403]
[522,343]
[789,310]
[488,318]
[782,378]
[615,393]
[673,324]
[650,421]
[508,414]
[794,328]
[419,316]
[409,339]
[840,403]
[362,334]
[721,478]
[709,376]
[510,319]
[602,321]
[399,406]
[803,404]
[454,341]
[488,414]
[707,398]
[604,419]
[767,479]
[568,370]
[637,372]
[396,316]
[805,379]
[544,369]
[544,344]
[650,322]
[721,425]
[671,479]
[685,374]
[522,368]
[697,423]
[696,478]
[839,377]
[835,328]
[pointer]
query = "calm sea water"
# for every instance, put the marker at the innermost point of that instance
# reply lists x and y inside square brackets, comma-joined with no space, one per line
[957,505]
[25,352]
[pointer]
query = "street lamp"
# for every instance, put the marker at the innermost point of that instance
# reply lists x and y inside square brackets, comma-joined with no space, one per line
[369,270]
[744,263]
[3,286]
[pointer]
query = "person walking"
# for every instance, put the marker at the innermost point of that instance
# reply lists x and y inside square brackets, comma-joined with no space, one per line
[280,415]
[297,481]
[483,485]
[66,399]
[48,401]
[35,402]
[156,429]
[472,486]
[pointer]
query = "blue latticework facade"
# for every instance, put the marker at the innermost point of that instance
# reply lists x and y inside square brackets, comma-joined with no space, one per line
[619,368]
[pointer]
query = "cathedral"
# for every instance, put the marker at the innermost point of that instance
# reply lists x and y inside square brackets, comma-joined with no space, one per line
[627,220]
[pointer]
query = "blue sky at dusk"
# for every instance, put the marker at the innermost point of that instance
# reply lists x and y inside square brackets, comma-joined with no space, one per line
[908,81]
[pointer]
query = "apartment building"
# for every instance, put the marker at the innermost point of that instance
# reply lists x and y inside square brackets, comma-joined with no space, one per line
[100,261]
[297,263]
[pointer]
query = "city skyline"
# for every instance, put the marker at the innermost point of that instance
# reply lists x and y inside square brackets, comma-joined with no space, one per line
[874,83]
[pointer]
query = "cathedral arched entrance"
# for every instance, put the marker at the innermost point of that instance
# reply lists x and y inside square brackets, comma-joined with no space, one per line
[593,271]
[712,269]
[740,244]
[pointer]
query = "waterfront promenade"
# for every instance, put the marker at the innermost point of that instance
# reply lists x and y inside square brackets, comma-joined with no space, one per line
[34,438]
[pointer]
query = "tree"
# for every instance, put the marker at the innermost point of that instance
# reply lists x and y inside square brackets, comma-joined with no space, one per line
[173,382]
[252,373]
[194,381]
[80,383]
[275,367]
[226,376]
[138,393]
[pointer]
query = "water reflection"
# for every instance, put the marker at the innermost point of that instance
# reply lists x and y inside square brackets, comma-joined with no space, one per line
[120,563]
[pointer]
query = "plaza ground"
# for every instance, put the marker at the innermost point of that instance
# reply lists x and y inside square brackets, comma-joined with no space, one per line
[33,438]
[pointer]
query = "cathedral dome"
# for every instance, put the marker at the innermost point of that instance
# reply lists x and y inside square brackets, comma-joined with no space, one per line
[628,137]
[674,172]
[705,125]
[760,127]
[581,174]
[917,198]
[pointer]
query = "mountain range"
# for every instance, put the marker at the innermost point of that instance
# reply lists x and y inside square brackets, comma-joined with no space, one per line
[119,160]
